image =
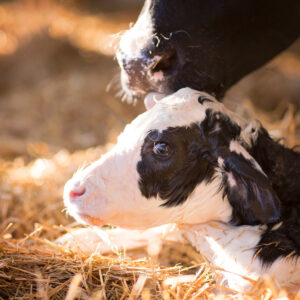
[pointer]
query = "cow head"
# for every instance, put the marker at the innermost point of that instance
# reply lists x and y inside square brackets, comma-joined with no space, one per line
[181,161]
[201,44]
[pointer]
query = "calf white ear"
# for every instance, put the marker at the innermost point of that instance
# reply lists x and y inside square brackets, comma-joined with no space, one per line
[247,188]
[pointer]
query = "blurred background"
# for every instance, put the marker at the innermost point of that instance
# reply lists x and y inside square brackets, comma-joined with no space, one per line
[59,80]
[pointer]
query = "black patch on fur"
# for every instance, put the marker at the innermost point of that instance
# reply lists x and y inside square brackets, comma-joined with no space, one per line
[174,178]
[218,129]
[282,166]
[193,158]
[215,43]
[280,243]
[256,199]
[252,198]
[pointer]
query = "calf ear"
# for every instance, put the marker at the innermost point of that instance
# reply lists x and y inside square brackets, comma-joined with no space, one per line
[247,188]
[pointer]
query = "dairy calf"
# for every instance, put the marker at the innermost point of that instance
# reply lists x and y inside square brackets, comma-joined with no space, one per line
[190,161]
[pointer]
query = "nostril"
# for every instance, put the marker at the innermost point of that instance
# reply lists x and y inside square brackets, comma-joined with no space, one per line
[166,62]
[77,191]
[123,62]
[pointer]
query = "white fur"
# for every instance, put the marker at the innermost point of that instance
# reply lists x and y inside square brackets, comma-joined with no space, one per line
[132,43]
[231,249]
[113,197]
[152,98]
[112,193]
[140,35]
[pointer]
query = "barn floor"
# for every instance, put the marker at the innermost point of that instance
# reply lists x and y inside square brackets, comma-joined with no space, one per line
[60,108]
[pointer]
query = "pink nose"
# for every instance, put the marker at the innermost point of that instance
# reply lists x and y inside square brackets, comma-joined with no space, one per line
[77,191]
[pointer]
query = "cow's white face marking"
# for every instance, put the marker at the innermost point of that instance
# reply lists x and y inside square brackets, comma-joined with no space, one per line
[131,45]
[139,36]
[112,193]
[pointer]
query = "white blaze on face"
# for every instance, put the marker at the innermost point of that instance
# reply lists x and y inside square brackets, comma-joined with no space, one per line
[139,36]
[134,40]
[112,193]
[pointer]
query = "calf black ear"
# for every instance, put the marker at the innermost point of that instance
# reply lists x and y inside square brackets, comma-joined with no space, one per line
[247,188]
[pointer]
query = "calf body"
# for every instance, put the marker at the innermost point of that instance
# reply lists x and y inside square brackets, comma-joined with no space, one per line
[190,161]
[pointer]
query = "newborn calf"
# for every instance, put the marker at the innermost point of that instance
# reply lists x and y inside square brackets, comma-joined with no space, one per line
[190,161]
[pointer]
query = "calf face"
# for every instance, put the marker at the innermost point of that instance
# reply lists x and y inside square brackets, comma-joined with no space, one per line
[202,44]
[181,161]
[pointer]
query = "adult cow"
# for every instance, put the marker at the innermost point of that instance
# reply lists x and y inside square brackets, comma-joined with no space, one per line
[204,44]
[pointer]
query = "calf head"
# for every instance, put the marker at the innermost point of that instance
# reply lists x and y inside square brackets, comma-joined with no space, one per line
[202,44]
[180,161]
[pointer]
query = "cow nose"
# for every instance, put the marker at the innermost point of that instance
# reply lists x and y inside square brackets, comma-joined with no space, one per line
[165,62]
[77,191]
[149,64]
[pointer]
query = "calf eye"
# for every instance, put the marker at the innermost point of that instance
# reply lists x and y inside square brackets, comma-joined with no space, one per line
[161,149]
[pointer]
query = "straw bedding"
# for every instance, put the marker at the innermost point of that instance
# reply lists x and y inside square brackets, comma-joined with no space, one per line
[32,266]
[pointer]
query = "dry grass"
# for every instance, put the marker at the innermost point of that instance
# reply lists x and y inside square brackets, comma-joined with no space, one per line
[31,266]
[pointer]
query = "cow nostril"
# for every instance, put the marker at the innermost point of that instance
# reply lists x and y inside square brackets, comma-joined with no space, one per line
[77,191]
[166,62]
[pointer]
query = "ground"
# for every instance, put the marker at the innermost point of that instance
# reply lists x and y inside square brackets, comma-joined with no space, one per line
[60,107]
